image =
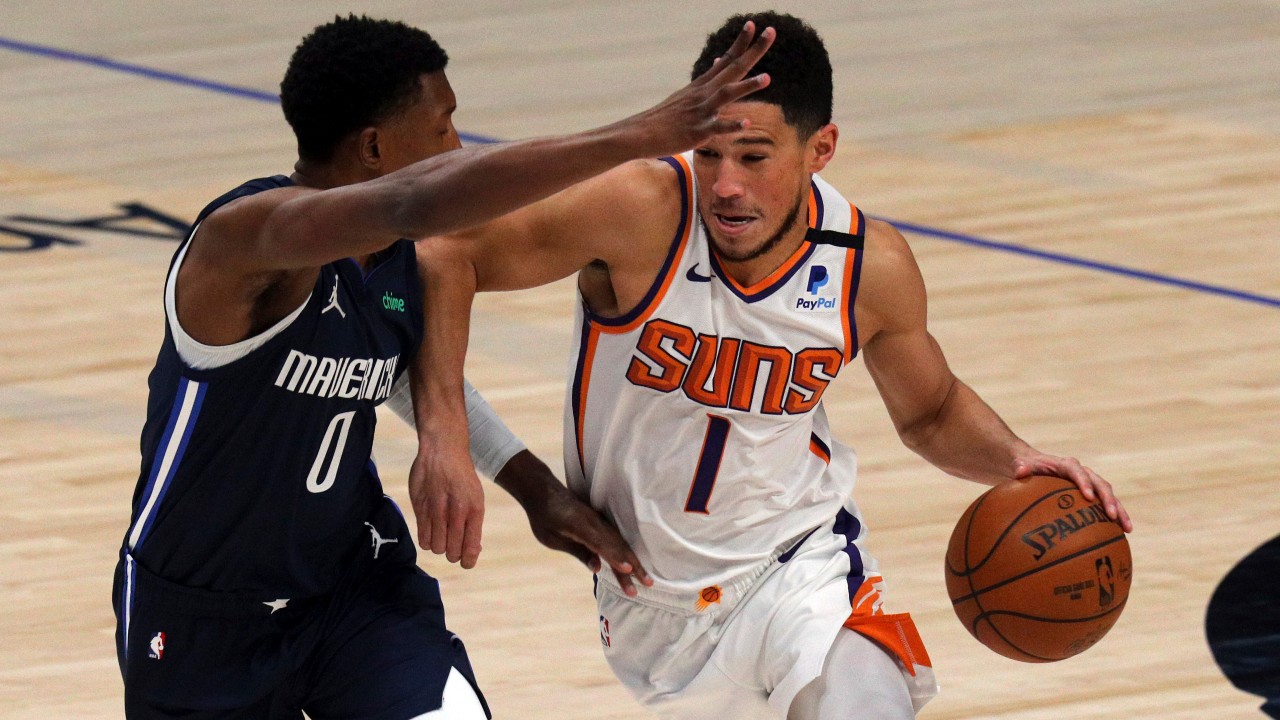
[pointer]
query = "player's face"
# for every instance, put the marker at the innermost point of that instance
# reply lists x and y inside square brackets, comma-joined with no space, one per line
[754,184]
[421,130]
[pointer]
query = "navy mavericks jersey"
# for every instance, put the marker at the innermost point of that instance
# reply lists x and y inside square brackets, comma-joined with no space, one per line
[257,474]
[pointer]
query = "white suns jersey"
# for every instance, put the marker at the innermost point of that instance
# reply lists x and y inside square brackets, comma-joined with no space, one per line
[695,421]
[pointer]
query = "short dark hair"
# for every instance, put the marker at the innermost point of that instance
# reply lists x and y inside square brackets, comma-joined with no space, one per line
[351,73]
[798,66]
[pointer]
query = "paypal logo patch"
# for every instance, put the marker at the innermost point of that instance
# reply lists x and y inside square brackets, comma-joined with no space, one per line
[817,278]
[814,299]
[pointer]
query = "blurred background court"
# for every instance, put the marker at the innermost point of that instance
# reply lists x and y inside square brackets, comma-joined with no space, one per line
[1092,190]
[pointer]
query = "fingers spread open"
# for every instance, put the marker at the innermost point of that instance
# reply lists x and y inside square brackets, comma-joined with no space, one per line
[740,44]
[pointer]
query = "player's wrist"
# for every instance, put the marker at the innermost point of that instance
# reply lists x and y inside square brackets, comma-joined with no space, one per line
[529,481]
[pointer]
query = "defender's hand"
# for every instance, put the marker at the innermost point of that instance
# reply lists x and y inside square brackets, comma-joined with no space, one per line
[1091,485]
[570,525]
[691,115]
[563,522]
[448,502]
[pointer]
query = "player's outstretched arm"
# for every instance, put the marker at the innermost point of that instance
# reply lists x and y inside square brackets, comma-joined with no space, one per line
[936,414]
[448,192]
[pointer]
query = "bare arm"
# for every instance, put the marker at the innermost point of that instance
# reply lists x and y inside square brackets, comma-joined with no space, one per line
[447,498]
[625,217]
[255,259]
[936,414]
[455,190]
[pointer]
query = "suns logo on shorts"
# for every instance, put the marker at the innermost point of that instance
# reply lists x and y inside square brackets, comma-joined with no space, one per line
[708,596]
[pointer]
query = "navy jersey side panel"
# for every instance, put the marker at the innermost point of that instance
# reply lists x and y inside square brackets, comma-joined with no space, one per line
[256,476]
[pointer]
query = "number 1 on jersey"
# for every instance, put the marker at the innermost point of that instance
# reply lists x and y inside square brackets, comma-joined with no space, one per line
[704,477]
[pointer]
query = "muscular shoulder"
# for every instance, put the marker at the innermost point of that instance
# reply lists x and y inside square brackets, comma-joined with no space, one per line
[239,223]
[634,193]
[891,294]
[621,215]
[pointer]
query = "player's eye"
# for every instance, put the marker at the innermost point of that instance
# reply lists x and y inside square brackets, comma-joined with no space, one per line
[706,153]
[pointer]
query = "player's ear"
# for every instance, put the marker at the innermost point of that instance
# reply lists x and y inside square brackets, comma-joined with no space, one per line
[821,147]
[367,148]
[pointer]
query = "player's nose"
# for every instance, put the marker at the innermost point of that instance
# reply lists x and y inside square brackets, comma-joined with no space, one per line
[726,183]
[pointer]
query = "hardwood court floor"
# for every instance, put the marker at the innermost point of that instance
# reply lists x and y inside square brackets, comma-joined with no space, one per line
[1134,134]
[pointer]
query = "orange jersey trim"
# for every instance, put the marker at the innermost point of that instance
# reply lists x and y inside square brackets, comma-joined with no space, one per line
[796,257]
[852,272]
[818,450]
[580,402]
[642,312]
[846,312]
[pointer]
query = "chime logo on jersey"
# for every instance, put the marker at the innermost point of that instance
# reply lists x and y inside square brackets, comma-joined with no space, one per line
[819,295]
[725,371]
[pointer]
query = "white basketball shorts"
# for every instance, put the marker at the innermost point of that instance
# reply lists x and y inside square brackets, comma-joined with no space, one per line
[743,650]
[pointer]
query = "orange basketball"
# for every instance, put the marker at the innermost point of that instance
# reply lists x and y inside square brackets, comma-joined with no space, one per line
[1036,572]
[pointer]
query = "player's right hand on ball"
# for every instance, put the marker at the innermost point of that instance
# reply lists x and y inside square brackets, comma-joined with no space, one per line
[691,115]
[448,502]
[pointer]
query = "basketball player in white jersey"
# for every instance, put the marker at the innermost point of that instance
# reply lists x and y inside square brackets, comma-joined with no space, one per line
[721,292]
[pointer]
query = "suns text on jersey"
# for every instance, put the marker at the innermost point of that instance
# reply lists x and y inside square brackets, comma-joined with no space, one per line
[723,371]
[363,378]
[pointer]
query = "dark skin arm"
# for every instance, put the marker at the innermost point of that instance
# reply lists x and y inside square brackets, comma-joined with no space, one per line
[561,521]
[256,259]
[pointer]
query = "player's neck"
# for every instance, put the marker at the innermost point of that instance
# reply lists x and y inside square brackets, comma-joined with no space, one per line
[326,175]
[323,176]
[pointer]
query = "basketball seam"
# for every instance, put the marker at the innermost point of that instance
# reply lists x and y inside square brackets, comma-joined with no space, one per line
[1062,621]
[973,595]
[970,569]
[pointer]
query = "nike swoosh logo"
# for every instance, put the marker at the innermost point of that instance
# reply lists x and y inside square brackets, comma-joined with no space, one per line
[693,276]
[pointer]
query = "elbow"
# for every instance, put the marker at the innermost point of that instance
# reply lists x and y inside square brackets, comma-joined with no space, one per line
[920,432]
[918,436]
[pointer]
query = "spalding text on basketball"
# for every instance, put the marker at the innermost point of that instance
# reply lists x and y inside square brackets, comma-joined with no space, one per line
[1044,538]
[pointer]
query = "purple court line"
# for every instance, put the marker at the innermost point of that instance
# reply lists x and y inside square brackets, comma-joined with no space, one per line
[263,96]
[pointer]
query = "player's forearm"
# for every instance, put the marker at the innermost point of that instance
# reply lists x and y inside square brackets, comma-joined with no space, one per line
[439,405]
[529,481]
[466,187]
[966,438]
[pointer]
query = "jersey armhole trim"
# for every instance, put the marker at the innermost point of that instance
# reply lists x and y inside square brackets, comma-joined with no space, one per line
[195,354]
[852,276]
[636,316]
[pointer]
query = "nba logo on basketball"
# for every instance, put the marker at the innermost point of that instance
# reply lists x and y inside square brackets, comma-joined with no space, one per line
[157,647]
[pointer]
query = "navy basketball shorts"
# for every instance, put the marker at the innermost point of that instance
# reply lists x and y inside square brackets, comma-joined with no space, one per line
[375,648]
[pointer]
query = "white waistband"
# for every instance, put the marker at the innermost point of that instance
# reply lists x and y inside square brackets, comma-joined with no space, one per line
[716,598]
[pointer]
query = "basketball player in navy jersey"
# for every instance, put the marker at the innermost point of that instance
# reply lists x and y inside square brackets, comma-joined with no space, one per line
[264,574]
[720,293]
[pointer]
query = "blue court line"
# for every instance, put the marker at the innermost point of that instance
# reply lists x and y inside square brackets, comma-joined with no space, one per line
[1086,263]
[152,73]
[163,76]
[262,96]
